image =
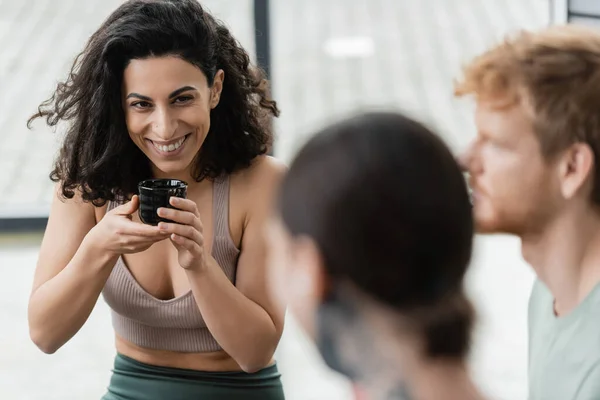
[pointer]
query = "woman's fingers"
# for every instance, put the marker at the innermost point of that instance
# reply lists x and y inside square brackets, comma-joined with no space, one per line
[131,228]
[181,217]
[185,205]
[190,245]
[185,231]
[128,208]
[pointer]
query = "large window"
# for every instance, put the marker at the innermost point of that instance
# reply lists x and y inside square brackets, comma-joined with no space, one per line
[585,12]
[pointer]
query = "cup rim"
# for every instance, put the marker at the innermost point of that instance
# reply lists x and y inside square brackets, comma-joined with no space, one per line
[180,184]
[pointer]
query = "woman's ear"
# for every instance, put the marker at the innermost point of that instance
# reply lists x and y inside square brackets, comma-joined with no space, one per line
[217,88]
[311,273]
[308,283]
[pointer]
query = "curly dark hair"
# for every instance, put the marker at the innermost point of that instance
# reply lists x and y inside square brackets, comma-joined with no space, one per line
[97,157]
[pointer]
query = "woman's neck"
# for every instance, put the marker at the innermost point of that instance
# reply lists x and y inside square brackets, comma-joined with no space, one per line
[181,175]
[425,379]
[442,379]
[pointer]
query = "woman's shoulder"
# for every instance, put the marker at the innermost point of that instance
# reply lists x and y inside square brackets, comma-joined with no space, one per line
[74,201]
[100,211]
[264,171]
[257,183]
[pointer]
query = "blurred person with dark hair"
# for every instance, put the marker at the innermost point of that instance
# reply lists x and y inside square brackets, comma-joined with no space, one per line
[535,173]
[163,90]
[370,243]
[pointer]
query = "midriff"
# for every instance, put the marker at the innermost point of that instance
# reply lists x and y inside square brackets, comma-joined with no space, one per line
[217,361]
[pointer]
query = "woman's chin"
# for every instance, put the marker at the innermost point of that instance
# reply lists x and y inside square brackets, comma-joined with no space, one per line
[177,170]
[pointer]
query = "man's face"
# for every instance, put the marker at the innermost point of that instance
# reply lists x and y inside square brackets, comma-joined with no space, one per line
[514,188]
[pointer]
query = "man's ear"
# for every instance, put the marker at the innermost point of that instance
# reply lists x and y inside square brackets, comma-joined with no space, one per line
[575,169]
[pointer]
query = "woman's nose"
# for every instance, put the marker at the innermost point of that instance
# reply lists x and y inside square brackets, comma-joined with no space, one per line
[164,125]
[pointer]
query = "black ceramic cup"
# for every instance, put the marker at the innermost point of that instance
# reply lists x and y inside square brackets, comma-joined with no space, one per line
[154,194]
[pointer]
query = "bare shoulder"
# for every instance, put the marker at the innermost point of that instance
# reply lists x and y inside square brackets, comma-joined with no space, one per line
[69,222]
[74,215]
[73,203]
[77,204]
[262,167]
[253,188]
[264,174]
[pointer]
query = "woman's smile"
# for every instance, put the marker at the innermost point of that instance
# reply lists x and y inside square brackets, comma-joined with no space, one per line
[171,148]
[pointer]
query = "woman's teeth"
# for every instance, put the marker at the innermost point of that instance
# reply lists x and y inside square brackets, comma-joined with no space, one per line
[171,147]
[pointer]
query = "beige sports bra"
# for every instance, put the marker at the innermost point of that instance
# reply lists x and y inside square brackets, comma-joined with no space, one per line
[175,324]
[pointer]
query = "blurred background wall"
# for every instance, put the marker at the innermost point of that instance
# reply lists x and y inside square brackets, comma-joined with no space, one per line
[328,58]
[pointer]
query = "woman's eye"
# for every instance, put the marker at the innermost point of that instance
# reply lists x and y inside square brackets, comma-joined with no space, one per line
[141,104]
[183,99]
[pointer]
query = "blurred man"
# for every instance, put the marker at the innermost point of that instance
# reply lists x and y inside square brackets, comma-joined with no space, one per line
[535,173]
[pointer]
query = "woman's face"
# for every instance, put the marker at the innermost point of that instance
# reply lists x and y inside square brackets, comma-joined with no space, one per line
[353,333]
[295,274]
[167,103]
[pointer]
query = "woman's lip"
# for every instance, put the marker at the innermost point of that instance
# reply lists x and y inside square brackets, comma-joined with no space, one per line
[156,142]
[171,153]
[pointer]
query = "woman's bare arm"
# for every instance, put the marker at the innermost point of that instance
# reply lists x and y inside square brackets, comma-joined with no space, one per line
[245,319]
[69,276]
[76,258]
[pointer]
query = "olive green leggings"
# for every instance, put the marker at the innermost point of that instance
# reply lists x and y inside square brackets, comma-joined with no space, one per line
[133,380]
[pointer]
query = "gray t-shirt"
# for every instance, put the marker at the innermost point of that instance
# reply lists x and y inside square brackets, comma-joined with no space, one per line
[564,352]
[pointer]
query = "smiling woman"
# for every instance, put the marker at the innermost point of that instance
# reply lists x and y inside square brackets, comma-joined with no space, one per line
[169,126]
[162,90]
[134,50]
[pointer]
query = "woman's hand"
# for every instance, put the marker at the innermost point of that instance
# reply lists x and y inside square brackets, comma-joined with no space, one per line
[118,234]
[186,232]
